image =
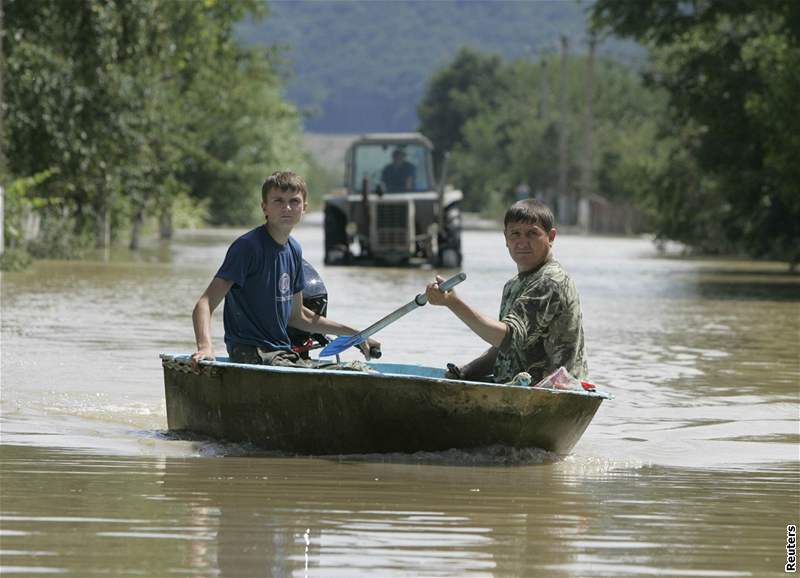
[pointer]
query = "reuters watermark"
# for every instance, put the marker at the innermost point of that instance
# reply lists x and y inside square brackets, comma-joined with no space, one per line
[791,549]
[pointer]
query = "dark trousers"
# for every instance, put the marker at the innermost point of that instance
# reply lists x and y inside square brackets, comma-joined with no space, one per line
[238,353]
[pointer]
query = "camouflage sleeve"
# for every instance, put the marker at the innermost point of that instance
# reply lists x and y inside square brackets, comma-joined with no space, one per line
[530,316]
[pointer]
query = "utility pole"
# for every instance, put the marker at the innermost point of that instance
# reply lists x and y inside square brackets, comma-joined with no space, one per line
[584,215]
[562,196]
[2,140]
[544,190]
[544,94]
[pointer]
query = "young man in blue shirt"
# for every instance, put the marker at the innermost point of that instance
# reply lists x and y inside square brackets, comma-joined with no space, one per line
[262,283]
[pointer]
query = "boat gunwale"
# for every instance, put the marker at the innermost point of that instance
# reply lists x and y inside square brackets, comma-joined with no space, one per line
[184,358]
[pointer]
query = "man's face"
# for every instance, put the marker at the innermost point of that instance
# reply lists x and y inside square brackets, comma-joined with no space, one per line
[283,209]
[529,245]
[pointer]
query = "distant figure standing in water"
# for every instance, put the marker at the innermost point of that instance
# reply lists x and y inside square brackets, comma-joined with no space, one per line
[399,175]
[262,283]
[540,327]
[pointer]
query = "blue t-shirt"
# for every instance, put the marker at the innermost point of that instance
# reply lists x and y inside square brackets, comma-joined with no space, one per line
[265,276]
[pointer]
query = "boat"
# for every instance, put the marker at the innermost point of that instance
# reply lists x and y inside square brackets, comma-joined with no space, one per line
[390,408]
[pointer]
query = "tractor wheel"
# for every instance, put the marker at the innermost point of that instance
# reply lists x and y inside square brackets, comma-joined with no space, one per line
[336,252]
[450,258]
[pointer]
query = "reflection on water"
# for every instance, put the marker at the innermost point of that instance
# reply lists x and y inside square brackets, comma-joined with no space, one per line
[242,516]
[688,471]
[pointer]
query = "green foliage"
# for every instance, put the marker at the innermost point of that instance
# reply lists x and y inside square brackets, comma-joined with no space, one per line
[15,259]
[188,212]
[57,236]
[134,107]
[508,132]
[320,180]
[729,69]
[457,93]
[243,134]
[19,202]
[36,225]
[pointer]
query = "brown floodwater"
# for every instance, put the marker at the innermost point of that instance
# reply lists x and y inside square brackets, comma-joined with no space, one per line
[693,469]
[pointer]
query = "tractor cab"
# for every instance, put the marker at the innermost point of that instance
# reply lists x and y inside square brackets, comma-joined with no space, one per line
[392,210]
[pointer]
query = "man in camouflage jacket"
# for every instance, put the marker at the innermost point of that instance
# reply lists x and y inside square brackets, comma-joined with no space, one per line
[540,327]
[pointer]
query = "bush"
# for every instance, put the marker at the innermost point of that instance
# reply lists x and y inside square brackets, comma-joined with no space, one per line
[15,259]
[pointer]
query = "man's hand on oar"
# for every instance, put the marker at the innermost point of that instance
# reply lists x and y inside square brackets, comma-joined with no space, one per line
[370,348]
[435,295]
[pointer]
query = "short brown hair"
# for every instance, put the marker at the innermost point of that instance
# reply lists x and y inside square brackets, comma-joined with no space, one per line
[284,181]
[530,211]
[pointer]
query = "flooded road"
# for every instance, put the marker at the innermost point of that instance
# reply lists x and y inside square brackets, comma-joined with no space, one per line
[692,470]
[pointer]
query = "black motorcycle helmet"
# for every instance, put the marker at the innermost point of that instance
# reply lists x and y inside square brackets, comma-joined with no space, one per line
[315,298]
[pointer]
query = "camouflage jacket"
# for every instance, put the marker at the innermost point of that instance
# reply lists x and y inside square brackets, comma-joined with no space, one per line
[545,327]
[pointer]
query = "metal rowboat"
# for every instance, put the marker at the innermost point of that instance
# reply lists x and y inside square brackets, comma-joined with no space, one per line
[395,408]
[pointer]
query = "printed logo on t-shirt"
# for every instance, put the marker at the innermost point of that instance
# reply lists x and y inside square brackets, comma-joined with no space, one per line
[283,287]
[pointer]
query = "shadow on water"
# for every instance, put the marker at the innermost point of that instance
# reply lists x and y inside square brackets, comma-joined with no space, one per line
[749,290]
[496,455]
[485,456]
[746,282]
[784,274]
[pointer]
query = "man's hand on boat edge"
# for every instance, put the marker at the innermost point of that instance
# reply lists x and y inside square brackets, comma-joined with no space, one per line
[201,354]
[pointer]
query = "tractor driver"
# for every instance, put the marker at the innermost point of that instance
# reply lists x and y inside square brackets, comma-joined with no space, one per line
[399,175]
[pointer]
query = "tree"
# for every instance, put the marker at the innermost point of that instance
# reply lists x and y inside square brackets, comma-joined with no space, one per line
[128,107]
[457,93]
[729,70]
[509,137]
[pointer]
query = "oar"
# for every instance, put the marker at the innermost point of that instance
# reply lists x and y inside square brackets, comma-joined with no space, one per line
[343,342]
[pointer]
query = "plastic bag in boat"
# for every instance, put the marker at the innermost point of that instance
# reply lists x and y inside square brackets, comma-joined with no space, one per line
[563,379]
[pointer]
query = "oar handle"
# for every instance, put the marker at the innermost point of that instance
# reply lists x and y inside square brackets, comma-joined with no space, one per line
[422,299]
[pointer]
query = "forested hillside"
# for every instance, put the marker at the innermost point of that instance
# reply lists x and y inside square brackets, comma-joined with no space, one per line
[363,66]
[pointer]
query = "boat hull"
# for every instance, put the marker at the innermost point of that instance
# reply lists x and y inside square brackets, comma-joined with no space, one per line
[347,412]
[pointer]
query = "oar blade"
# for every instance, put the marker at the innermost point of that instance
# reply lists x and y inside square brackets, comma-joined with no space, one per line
[340,344]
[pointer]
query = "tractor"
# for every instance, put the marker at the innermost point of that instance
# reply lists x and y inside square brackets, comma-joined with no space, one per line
[391,210]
